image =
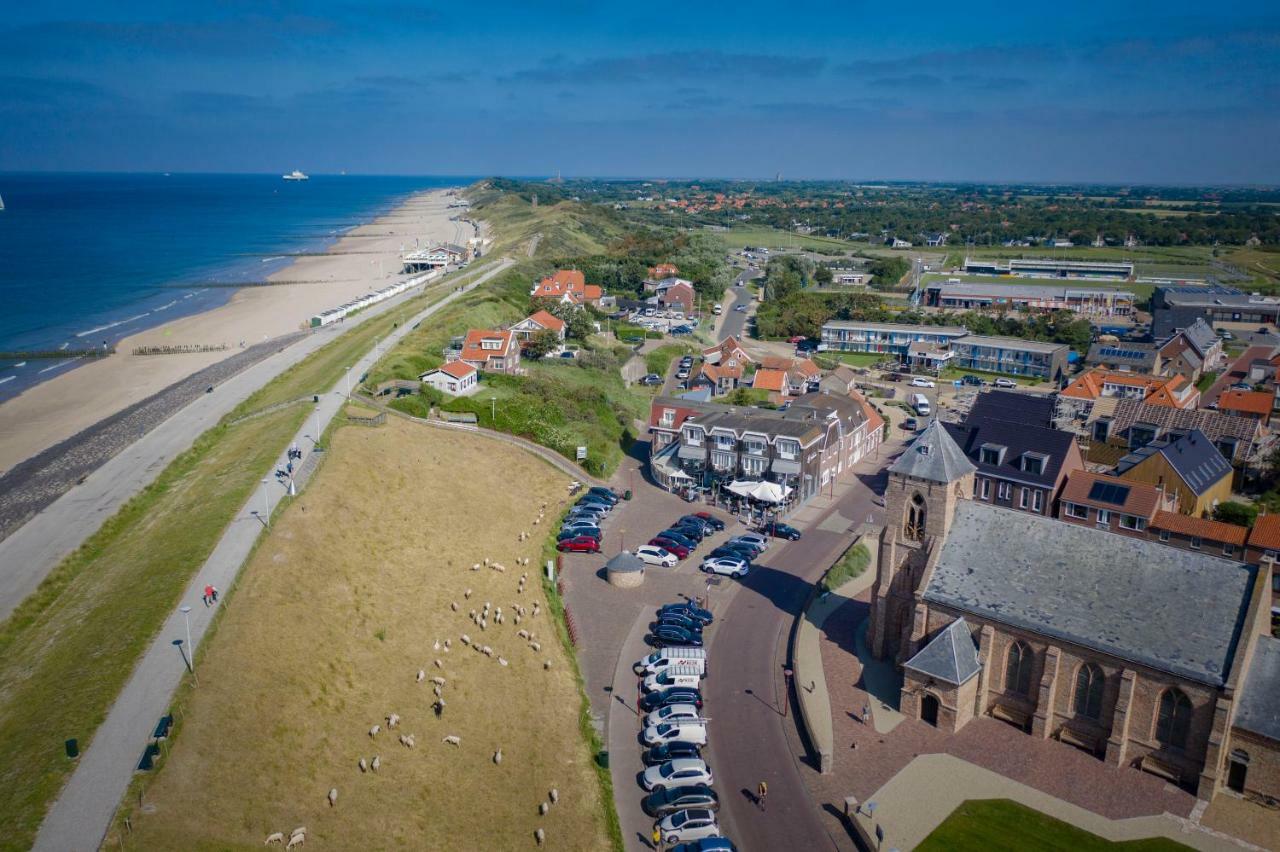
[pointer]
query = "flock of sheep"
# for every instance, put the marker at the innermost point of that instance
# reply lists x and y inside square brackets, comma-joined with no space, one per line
[484,618]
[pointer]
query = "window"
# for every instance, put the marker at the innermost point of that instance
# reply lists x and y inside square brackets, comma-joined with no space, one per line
[1131,522]
[1140,436]
[1164,535]
[1228,549]
[913,527]
[1174,720]
[1033,463]
[985,486]
[725,442]
[1104,518]
[1226,446]
[1037,501]
[1017,669]
[788,449]
[1237,770]
[1022,498]
[755,447]
[1101,430]
[1004,491]
[753,466]
[991,454]
[1195,542]
[668,417]
[693,437]
[1089,685]
[1075,510]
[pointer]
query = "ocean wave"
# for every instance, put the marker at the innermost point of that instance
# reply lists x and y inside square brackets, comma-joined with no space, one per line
[56,366]
[112,325]
[164,307]
[7,379]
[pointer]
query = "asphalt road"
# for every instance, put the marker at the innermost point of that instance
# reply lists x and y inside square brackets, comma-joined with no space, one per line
[748,734]
[735,321]
[33,550]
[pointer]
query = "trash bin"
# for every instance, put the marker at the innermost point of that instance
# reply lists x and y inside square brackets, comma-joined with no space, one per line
[626,495]
[315,398]
[73,748]
[603,759]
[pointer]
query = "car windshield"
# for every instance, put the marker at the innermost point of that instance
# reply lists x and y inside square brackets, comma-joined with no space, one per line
[667,770]
[665,729]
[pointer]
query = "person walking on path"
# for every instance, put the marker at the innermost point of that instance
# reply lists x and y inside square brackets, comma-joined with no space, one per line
[762,790]
[205,596]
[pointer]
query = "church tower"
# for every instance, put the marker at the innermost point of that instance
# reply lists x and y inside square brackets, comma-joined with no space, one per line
[925,483]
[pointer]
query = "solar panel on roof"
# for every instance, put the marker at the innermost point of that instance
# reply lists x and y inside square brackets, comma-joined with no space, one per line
[1109,492]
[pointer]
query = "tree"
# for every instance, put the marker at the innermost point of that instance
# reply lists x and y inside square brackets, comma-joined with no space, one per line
[542,343]
[822,275]
[576,319]
[1240,514]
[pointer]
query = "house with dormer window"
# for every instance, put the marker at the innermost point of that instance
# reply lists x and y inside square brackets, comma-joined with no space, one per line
[1019,466]
[491,350]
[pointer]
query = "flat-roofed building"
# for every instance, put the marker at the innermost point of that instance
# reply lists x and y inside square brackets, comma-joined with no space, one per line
[888,338]
[1010,355]
[968,295]
[1178,307]
[1044,267]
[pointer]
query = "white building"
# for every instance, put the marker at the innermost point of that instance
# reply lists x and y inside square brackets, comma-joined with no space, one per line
[457,378]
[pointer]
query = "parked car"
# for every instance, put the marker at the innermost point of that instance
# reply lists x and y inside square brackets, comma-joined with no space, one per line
[728,551]
[922,382]
[693,611]
[706,844]
[670,546]
[677,750]
[689,732]
[684,772]
[711,519]
[671,713]
[671,695]
[653,555]
[669,634]
[691,530]
[706,523]
[600,500]
[679,619]
[748,543]
[598,509]
[680,537]
[1242,386]
[736,568]
[682,329]
[910,424]
[682,373]
[679,799]
[579,544]
[606,493]
[761,540]
[651,379]
[575,530]
[780,530]
[967,379]
[1005,383]
[799,338]
[693,824]
[690,676]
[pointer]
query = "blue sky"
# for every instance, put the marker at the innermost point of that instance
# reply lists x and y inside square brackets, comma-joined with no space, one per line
[1168,92]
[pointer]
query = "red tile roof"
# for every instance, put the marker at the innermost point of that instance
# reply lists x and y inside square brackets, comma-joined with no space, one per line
[457,369]
[1266,533]
[1200,527]
[1249,402]
[474,351]
[772,380]
[547,320]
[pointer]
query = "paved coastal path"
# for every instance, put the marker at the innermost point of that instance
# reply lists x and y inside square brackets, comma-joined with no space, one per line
[81,816]
[32,551]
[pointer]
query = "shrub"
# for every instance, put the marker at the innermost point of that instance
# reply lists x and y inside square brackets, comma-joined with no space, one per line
[854,561]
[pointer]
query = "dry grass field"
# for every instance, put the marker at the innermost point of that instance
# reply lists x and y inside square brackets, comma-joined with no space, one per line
[323,638]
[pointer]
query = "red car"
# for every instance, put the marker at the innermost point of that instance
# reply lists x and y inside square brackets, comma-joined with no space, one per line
[667,544]
[799,338]
[579,544]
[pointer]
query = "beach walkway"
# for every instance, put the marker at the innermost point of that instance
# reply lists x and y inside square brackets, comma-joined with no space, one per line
[80,817]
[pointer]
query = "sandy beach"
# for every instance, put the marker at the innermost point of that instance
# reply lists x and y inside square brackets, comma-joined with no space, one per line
[61,407]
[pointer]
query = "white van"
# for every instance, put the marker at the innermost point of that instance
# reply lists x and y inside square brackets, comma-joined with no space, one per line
[717,310]
[690,676]
[675,656]
[920,404]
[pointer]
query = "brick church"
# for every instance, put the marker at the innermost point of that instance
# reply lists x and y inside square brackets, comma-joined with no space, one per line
[1146,656]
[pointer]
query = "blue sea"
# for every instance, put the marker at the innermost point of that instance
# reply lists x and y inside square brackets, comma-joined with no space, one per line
[87,259]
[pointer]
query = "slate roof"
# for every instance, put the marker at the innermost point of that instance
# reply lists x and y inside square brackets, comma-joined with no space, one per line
[1257,710]
[1192,456]
[1031,409]
[1078,584]
[1200,335]
[950,656]
[933,455]
[1018,439]
[1129,412]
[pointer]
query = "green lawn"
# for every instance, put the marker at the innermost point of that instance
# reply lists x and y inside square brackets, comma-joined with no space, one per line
[659,360]
[855,359]
[951,373]
[1206,381]
[775,238]
[1000,825]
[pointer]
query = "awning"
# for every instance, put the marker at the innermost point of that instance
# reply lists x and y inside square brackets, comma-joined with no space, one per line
[688,451]
[785,466]
[769,492]
[741,487]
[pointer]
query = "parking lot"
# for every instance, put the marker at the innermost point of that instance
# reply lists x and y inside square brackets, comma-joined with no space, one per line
[667,322]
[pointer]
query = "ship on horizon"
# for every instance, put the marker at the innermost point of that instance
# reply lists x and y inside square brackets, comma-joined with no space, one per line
[295,175]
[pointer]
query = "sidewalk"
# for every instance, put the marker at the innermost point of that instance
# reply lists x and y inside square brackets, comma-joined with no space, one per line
[82,814]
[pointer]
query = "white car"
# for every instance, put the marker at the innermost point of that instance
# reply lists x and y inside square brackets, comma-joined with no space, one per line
[692,824]
[684,772]
[686,731]
[922,382]
[671,713]
[724,565]
[1005,383]
[653,555]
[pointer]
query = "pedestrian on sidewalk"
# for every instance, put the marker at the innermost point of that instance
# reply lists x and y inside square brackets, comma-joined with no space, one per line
[762,790]
[866,713]
[207,597]
[657,837]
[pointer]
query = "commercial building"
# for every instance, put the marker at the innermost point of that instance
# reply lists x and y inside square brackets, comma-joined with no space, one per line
[1178,307]
[1010,355]
[436,257]
[1044,267]
[968,295]
[885,337]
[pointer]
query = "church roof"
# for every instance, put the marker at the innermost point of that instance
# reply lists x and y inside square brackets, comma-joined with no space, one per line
[933,455]
[950,656]
[1257,710]
[1129,598]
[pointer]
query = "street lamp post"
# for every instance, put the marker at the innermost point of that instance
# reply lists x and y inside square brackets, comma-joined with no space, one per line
[787,674]
[348,383]
[493,410]
[186,617]
[266,502]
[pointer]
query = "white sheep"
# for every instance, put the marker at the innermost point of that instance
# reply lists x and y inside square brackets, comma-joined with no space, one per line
[499,568]
[484,625]
[543,807]
[373,732]
[475,567]
[536,646]
[274,837]
[536,607]
[448,643]
[497,756]
[364,767]
[302,829]
[453,740]
[487,651]
[517,618]
[546,665]
[467,594]
[333,797]
[437,690]
[466,640]
[439,664]
[422,675]
[523,634]
[502,661]
[377,763]
[296,840]
[436,645]
[454,606]
[438,681]
[555,795]
[407,740]
[393,719]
